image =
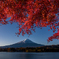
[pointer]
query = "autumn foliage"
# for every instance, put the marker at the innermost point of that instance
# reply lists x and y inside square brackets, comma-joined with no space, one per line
[30,14]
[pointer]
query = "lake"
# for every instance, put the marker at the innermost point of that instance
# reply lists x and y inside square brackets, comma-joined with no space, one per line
[29,55]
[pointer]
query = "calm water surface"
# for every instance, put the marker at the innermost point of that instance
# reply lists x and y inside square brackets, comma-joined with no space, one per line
[29,55]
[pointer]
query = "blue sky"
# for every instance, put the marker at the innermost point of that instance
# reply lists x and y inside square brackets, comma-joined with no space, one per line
[8,36]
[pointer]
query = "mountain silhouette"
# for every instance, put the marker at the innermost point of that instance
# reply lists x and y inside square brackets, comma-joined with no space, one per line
[24,43]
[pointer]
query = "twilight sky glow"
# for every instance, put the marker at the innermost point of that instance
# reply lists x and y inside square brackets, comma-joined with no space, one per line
[8,36]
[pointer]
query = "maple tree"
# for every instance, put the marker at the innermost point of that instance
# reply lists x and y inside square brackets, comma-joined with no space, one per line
[30,14]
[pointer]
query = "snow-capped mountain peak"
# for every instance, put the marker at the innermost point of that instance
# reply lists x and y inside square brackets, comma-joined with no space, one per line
[27,41]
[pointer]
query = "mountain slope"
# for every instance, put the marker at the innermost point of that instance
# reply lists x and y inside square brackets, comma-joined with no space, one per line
[24,43]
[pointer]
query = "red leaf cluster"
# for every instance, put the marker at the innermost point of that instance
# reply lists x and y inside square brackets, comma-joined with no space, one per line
[30,14]
[55,36]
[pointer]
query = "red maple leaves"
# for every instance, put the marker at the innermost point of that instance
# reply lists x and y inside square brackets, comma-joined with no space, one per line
[30,14]
[55,36]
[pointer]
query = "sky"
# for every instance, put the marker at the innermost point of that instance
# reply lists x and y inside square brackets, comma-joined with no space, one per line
[8,36]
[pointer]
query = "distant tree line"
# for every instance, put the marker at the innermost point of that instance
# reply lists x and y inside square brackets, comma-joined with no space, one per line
[32,49]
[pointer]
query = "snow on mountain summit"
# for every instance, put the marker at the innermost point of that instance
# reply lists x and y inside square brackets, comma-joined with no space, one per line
[27,41]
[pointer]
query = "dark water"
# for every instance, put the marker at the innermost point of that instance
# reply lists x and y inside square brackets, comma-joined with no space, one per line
[23,55]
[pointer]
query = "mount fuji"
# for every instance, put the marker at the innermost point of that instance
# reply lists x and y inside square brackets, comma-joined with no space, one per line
[24,43]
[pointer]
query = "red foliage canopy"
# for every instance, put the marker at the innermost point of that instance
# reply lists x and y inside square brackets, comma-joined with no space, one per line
[30,14]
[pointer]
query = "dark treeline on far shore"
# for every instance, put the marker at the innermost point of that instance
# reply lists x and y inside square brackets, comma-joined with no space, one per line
[53,48]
